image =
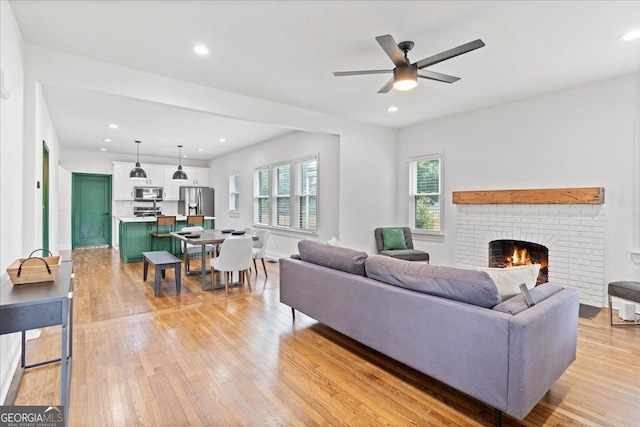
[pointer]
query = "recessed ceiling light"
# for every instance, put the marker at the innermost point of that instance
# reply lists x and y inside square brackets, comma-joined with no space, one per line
[201,49]
[392,109]
[185,156]
[222,140]
[107,140]
[113,126]
[631,35]
[200,149]
[103,149]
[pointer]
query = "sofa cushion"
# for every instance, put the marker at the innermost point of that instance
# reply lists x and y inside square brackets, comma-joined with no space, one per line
[508,280]
[469,286]
[407,254]
[343,259]
[393,238]
[517,304]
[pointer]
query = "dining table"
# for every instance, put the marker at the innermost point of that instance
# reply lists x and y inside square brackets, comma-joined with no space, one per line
[204,238]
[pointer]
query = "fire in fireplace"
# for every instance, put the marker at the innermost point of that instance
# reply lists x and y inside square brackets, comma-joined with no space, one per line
[509,253]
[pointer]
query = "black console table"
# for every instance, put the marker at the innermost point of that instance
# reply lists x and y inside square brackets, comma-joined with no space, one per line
[40,305]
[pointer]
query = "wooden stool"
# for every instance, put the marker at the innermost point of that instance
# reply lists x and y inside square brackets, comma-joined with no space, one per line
[161,260]
[629,291]
[165,224]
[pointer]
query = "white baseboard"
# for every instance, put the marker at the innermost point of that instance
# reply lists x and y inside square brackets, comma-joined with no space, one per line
[9,364]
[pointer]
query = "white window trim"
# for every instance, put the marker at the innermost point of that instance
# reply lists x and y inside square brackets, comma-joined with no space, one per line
[256,196]
[293,194]
[234,213]
[412,160]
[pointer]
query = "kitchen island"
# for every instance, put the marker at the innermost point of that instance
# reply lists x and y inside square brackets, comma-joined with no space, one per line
[134,236]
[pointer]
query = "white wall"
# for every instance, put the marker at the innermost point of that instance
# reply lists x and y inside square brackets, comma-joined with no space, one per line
[288,147]
[101,162]
[64,209]
[12,53]
[579,137]
[44,132]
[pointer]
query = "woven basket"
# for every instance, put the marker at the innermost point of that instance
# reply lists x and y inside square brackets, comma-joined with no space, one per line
[34,269]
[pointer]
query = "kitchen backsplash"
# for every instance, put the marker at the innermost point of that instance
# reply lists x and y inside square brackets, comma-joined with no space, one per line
[125,208]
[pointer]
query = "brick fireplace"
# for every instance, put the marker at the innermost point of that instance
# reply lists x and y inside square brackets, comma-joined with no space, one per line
[573,234]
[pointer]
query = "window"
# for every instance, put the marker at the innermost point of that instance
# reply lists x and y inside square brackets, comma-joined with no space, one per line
[282,193]
[286,194]
[307,194]
[234,193]
[425,193]
[261,196]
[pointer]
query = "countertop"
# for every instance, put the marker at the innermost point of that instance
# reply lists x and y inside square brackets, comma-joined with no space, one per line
[153,218]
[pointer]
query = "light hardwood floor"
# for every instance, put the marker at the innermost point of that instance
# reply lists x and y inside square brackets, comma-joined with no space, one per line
[201,359]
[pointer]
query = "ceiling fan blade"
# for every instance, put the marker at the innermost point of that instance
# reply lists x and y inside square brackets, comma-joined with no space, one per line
[387,87]
[432,75]
[357,73]
[451,53]
[391,48]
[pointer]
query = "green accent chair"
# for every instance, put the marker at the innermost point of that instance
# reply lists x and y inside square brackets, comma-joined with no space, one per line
[395,250]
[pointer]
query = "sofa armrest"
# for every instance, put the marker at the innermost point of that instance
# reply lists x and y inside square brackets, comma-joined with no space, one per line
[542,345]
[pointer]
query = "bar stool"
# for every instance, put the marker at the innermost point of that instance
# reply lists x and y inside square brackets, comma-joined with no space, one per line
[164,226]
[195,220]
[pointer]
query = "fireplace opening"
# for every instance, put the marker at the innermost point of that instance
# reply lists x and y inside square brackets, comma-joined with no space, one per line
[509,253]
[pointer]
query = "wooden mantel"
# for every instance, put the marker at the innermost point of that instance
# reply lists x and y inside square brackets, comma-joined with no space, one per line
[561,196]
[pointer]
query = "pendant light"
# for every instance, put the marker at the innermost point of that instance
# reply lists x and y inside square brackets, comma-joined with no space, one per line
[179,175]
[138,172]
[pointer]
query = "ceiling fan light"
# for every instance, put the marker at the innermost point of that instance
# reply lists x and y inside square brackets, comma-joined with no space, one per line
[404,85]
[631,35]
[137,172]
[405,78]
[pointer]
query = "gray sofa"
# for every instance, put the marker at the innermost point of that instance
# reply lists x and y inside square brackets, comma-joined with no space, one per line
[445,322]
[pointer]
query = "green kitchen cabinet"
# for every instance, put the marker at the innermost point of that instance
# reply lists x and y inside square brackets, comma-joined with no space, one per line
[135,239]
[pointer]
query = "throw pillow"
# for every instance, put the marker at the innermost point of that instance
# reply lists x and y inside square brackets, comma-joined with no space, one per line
[508,279]
[393,238]
[334,242]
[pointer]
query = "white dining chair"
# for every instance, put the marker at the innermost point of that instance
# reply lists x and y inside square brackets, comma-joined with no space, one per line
[260,249]
[235,255]
[190,249]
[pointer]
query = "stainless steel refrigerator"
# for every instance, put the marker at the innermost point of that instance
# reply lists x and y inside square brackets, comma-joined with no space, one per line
[196,201]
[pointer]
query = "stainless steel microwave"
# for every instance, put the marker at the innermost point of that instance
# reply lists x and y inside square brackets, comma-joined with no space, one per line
[148,194]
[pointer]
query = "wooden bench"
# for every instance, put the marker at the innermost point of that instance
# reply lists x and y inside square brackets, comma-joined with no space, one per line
[161,260]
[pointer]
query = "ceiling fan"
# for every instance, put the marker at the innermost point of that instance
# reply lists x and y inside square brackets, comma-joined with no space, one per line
[405,74]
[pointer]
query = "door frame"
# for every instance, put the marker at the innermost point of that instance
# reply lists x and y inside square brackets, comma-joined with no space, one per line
[45,196]
[76,175]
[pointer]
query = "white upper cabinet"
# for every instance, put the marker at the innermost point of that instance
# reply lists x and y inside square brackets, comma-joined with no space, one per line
[122,184]
[157,176]
[171,187]
[197,177]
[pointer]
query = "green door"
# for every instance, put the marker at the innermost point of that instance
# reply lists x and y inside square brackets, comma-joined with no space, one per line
[91,210]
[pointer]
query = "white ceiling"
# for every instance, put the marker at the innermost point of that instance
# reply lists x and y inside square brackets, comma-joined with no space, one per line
[81,119]
[286,52]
